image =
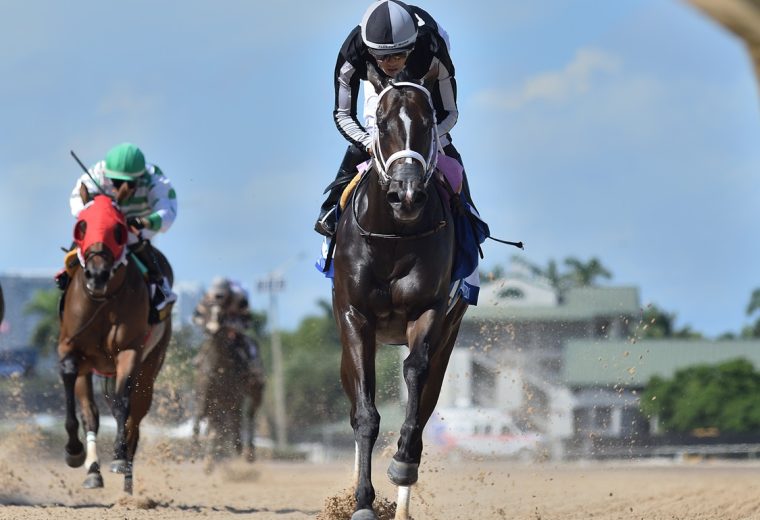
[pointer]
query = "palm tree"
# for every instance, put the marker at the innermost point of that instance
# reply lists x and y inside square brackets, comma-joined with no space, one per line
[586,274]
[560,282]
[754,302]
[44,303]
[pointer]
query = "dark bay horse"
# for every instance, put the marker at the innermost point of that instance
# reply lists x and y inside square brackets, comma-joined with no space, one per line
[393,262]
[104,329]
[228,390]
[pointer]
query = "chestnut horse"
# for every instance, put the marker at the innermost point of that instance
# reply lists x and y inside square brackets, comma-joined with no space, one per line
[104,329]
[393,262]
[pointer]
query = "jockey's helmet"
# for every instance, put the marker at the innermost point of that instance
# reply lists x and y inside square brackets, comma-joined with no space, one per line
[388,27]
[125,162]
[220,288]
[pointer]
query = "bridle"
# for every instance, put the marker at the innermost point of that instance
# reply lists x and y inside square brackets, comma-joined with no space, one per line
[121,261]
[382,164]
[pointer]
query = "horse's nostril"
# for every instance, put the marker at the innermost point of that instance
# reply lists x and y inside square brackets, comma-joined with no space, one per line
[393,197]
[87,274]
[419,198]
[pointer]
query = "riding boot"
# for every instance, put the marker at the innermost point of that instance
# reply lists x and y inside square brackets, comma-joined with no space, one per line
[163,295]
[327,222]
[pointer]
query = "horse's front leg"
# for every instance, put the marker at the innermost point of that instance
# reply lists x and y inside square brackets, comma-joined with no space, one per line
[424,370]
[358,379]
[69,367]
[127,362]
[91,422]
[421,341]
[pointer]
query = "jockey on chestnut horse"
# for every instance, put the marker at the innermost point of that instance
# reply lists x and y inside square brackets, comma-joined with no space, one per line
[110,322]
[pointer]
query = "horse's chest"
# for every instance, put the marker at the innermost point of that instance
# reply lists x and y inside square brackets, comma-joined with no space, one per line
[396,296]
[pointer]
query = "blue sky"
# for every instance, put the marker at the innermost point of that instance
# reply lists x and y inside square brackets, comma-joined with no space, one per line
[625,130]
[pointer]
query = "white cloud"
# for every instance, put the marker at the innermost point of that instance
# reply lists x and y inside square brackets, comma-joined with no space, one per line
[575,79]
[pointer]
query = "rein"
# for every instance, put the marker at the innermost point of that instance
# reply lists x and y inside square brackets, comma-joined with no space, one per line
[392,236]
[105,300]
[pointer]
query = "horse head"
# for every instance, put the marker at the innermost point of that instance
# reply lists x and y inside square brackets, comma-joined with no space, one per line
[100,234]
[405,145]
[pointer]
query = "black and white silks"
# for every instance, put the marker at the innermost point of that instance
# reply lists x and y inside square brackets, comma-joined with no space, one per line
[429,62]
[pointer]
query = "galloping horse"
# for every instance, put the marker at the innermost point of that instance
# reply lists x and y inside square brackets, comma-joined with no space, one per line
[393,262]
[228,391]
[104,329]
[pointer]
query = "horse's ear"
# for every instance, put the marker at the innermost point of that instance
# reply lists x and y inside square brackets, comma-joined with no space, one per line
[375,78]
[84,194]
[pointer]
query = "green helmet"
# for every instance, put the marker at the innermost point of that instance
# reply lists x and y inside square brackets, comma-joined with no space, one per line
[125,162]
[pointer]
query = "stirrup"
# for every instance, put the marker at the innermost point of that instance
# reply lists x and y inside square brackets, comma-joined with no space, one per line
[326,224]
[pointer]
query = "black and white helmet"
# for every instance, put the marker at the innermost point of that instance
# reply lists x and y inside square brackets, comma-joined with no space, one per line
[388,27]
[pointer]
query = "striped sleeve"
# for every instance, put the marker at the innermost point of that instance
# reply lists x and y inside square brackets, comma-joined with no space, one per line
[447,91]
[345,113]
[163,201]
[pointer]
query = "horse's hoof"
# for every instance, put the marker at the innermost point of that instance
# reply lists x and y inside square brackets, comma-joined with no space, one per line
[403,473]
[93,481]
[364,514]
[120,466]
[75,460]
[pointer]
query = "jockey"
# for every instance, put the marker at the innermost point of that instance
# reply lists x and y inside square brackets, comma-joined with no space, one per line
[233,299]
[217,294]
[392,37]
[150,209]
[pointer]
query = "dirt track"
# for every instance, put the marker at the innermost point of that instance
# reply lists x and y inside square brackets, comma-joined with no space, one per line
[168,487]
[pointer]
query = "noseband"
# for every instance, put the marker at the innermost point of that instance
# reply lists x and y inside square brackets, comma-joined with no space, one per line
[122,260]
[428,164]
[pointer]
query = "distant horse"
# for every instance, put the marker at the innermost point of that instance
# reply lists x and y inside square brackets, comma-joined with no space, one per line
[228,391]
[393,262]
[104,329]
[2,305]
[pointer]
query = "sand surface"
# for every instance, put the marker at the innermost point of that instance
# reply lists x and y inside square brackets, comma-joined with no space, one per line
[170,486]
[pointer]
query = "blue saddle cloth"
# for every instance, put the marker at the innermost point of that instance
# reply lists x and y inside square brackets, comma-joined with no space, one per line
[470,232]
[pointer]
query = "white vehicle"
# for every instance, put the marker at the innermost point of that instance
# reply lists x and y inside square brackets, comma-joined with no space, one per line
[481,431]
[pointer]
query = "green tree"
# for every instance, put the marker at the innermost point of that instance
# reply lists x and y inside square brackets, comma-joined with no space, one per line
[658,324]
[578,273]
[753,330]
[722,396]
[314,394]
[586,274]
[44,303]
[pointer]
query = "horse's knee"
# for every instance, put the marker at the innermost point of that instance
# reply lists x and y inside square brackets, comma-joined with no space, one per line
[367,423]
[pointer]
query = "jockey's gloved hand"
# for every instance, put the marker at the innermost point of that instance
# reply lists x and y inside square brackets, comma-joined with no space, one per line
[137,222]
